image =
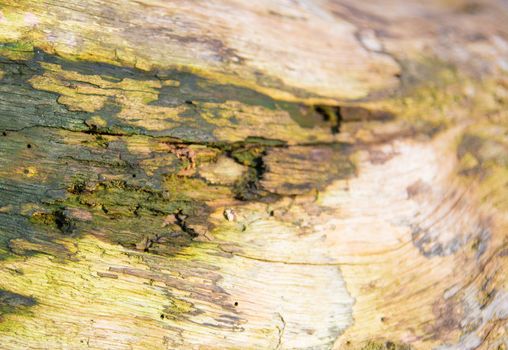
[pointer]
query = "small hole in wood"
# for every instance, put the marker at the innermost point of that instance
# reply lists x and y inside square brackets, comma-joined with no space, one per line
[162,316]
[4,133]
[236,303]
[133,175]
[29,146]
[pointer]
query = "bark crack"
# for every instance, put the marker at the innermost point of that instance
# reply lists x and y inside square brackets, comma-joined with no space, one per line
[299,263]
[281,331]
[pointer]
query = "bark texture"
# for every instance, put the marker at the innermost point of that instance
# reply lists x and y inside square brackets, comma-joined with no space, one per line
[254,174]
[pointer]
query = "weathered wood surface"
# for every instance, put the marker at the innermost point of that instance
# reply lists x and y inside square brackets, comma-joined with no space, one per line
[253,175]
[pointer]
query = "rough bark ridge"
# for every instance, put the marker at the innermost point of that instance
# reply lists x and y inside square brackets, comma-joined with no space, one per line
[253,175]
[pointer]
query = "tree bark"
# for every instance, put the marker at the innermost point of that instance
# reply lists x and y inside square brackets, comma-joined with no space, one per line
[253,175]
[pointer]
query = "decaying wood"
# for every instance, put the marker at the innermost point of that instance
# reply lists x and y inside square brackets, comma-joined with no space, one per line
[253,175]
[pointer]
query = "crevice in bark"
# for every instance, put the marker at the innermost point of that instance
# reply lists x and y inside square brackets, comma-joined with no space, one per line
[331,115]
[249,187]
[184,225]
[281,331]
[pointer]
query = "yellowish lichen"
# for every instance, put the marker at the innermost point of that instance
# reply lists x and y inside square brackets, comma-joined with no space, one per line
[86,309]
[89,93]
[96,122]
[183,188]
[58,33]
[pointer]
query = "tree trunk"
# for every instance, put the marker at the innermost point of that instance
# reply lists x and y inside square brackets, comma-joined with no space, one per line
[253,174]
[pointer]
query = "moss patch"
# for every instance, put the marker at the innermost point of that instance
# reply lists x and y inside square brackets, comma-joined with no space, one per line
[388,345]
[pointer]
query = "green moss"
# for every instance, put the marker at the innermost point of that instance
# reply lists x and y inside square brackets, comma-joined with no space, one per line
[19,50]
[95,172]
[248,155]
[485,148]
[388,345]
[177,309]
[119,199]
[430,88]
[124,213]
[182,188]
[43,218]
